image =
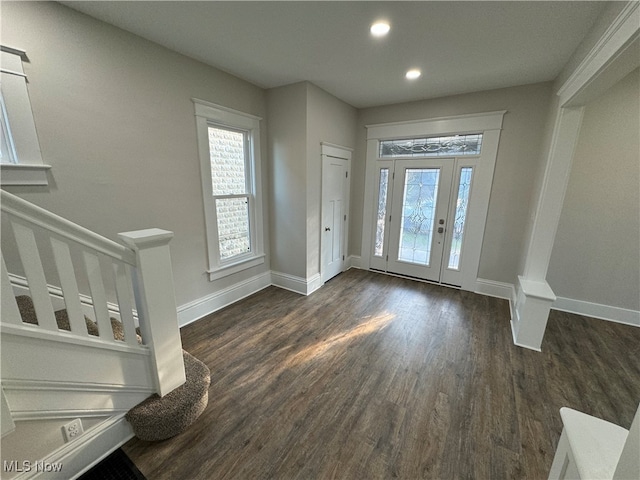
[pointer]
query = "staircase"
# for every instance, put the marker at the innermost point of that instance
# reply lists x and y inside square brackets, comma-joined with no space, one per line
[92,333]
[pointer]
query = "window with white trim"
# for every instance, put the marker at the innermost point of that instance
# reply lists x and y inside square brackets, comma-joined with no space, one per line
[229,148]
[20,157]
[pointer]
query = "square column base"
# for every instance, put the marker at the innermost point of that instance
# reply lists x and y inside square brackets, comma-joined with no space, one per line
[533,303]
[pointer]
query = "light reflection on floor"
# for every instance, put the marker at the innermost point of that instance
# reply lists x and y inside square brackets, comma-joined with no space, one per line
[318,349]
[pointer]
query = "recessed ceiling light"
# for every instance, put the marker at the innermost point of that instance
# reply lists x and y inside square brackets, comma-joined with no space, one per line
[413,74]
[380,29]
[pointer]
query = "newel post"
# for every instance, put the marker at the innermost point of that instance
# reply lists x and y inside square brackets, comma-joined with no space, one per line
[156,303]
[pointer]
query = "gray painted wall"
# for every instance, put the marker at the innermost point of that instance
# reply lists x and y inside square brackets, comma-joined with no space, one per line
[301,116]
[596,254]
[328,120]
[287,118]
[516,166]
[115,120]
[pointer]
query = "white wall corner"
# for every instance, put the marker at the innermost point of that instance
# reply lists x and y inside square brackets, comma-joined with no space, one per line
[354,261]
[296,284]
[195,310]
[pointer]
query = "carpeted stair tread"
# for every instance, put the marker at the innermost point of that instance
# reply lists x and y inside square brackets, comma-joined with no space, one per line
[28,314]
[159,418]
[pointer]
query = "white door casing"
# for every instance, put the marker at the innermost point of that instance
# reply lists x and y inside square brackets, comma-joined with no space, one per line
[489,124]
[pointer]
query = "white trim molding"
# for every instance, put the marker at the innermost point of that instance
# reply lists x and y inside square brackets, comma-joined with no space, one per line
[14,174]
[20,144]
[599,311]
[296,284]
[333,150]
[201,307]
[470,123]
[612,45]
[87,450]
[491,288]
[43,399]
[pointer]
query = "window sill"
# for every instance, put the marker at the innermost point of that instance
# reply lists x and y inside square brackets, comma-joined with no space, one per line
[230,269]
[16,174]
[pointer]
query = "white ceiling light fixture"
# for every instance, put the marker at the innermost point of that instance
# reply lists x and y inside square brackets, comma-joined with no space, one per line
[380,29]
[413,74]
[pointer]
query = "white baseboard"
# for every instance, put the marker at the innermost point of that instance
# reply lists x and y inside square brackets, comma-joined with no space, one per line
[503,290]
[579,307]
[354,261]
[78,456]
[596,310]
[492,288]
[45,400]
[195,310]
[296,284]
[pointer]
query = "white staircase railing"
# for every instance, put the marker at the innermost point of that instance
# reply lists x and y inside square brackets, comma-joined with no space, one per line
[137,278]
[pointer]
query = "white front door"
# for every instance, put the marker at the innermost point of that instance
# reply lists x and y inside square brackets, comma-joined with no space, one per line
[420,204]
[422,212]
[334,215]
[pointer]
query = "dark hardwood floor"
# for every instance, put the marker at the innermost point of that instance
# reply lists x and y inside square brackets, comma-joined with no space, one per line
[378,377]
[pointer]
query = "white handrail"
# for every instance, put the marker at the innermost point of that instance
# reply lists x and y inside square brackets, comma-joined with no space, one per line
[35,215]
[150,281]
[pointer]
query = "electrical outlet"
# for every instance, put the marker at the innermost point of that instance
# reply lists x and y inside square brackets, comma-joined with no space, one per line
[72,430]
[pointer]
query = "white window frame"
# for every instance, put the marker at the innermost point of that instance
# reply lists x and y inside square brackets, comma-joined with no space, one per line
[209,114]
[26,166]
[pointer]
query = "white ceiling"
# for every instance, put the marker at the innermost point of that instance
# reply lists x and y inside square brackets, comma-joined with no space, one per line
[460,46]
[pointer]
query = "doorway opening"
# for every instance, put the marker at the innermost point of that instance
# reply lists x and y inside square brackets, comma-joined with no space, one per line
[427,195]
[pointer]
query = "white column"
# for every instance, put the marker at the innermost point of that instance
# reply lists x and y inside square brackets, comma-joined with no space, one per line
[534,295]
[155,299]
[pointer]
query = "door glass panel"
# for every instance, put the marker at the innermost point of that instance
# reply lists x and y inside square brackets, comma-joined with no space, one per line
[460,217]
[418,215]
[382,211]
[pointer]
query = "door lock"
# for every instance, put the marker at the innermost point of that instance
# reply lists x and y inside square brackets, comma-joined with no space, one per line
[440,230]
[327,229]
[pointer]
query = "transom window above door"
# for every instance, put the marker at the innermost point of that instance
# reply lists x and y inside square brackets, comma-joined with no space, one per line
[470,144]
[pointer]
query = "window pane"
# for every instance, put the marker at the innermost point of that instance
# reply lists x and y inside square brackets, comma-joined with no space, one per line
[433,146]
[382,211]
[460,218]
[418,215]
[227,153]
[233,226]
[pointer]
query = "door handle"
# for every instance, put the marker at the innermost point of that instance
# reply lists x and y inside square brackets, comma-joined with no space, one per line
[440,230]
[327,229]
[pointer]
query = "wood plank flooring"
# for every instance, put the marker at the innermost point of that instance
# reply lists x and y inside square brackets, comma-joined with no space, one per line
[378,377]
